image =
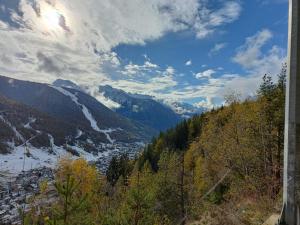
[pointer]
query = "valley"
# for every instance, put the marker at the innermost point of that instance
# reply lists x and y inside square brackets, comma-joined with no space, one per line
[41,123]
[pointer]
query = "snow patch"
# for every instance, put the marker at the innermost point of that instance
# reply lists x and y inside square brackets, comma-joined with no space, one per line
[79,134]
[14,162]
[28,125]
[39,157]
[86,155]
[107,132]
[84,109]
[51,139]
[106,101]
[88,140]
[135,108]
[184,109]
[87,114]
[35,158]
[100,96]
[17,134]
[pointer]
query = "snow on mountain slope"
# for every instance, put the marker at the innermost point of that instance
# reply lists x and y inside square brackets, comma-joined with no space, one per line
[79,133]
[87,114]
[27,158]
[14,162]
[160,114]
[28,125]
[91,91]
[77,109]
[141,108]
[183,109]
[106,101]
[55,122]
[17,133]
[84,109]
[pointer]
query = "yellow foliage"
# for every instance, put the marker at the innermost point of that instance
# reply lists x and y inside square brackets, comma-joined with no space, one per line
[200,175]
[191,156]
[85,174]
[43,186]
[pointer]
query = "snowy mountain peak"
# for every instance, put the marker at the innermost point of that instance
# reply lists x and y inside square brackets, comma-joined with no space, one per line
[184,109]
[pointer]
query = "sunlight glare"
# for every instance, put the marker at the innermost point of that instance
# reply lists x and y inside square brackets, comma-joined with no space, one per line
[51,18]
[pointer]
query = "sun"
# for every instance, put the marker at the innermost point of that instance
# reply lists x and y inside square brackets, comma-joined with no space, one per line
[51,18]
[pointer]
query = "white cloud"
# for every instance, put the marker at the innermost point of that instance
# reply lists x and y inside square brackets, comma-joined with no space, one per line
[209,20]
[214,89]
[110,57]
[170,70]
[134,69]
[94,91]
[207,103]
[217,48]
[111,22]
[162,84]
[255,61]
[148,64]
[205,74]
[251,57]
[188,63]
[155,86]
[79,47]
[131,69]
[33,56]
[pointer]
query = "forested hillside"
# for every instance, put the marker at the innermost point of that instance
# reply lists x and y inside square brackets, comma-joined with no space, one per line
[221,167]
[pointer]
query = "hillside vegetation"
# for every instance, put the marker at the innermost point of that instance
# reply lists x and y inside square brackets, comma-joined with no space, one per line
[221,167]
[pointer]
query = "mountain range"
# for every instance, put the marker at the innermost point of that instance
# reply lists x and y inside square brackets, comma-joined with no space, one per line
[155,113]
[142,108]
[63,115]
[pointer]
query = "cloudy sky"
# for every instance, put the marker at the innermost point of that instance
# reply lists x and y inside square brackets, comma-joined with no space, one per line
[177,50]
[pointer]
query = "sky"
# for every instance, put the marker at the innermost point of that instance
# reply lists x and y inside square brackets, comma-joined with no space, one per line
[193,51]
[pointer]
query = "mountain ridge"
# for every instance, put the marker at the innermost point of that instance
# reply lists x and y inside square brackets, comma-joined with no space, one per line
[142,108]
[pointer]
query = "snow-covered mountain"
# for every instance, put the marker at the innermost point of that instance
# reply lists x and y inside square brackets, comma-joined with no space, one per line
[128,104]
[184,109]
[61,119]
[142,108]
[73,106]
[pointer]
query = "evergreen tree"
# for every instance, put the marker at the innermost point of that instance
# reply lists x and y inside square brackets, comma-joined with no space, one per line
[119,166]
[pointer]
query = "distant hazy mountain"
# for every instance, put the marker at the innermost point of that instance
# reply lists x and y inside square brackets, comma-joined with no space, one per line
[184,109]
[142,108]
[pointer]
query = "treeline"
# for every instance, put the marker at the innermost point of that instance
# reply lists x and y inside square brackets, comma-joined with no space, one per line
[221,167]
